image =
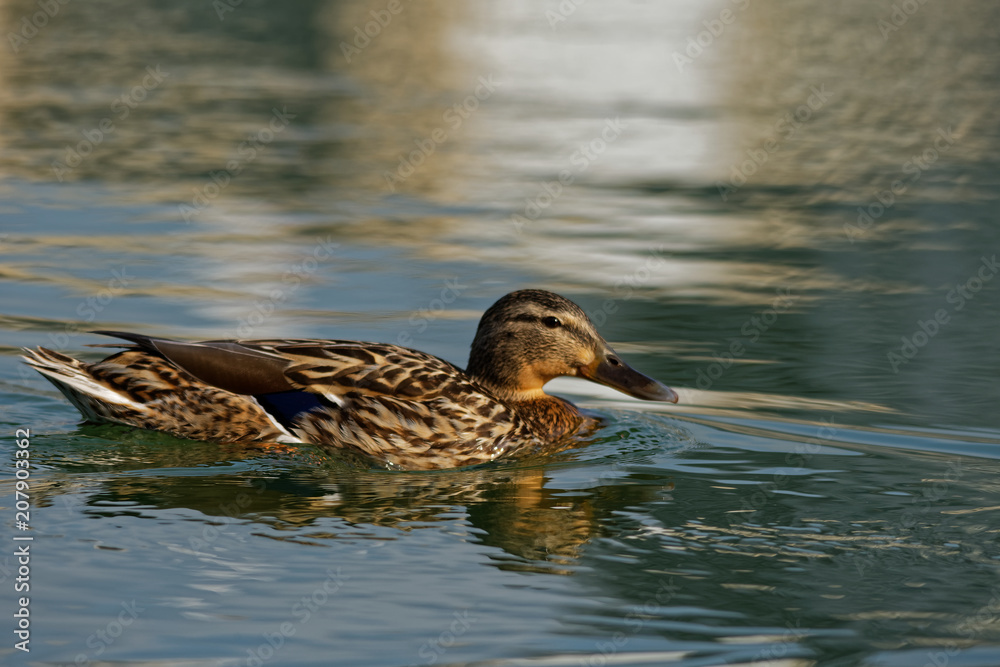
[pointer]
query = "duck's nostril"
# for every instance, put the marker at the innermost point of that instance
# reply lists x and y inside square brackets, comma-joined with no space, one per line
[614,361]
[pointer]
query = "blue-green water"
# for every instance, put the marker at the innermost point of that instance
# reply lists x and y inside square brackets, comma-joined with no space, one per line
[788,211]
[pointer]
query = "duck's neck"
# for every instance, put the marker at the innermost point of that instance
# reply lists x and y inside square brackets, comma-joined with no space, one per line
[550,417]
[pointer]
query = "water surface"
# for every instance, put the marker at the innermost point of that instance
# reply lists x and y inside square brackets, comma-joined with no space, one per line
[787,211]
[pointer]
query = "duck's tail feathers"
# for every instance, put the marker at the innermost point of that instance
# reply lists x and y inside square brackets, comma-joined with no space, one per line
[72,377]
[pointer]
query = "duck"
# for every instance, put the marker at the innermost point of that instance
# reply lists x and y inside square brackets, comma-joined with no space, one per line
[391,406]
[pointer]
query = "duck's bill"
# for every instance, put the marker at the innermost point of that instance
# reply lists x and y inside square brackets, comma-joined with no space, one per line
[615,373]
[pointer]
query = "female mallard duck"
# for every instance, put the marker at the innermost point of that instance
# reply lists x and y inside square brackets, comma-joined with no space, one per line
[403,408]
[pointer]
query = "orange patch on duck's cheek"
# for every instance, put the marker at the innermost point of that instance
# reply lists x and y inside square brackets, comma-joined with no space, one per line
[587,358]
[533,377]
[541,372]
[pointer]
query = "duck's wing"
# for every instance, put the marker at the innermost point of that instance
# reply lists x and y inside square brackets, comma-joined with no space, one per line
[400,406]
[330,368]
[325,367]
[338,368]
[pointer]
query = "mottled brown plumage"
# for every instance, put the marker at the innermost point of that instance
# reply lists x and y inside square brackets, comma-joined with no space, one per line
[398,407]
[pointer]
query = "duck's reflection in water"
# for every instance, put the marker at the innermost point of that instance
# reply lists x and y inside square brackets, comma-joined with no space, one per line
[303,496]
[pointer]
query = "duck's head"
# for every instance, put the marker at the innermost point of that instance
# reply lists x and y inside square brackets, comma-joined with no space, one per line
[532,336]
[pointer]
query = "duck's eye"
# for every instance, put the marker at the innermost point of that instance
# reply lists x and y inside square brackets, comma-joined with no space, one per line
[551,322]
